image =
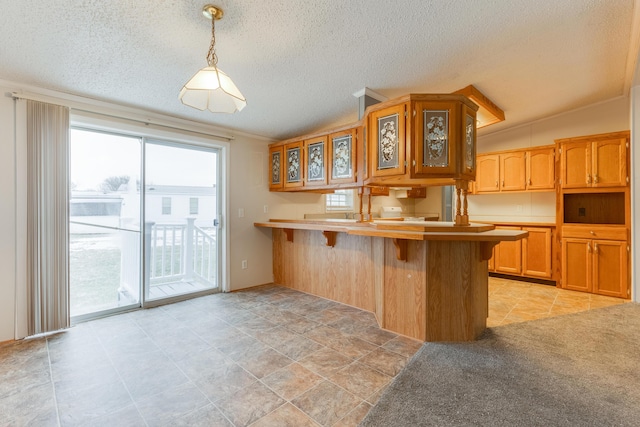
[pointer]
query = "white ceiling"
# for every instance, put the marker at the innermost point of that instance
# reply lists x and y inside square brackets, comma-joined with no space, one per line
[298,62]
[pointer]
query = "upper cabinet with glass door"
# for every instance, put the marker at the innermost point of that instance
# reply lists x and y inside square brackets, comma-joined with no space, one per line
[422,137]
[444,137]
[342,149]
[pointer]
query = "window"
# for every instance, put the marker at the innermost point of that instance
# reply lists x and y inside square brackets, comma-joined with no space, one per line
[340,200]
[193,206]
[166,206]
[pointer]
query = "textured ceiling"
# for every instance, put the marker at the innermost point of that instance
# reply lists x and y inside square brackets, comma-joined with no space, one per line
[298,62]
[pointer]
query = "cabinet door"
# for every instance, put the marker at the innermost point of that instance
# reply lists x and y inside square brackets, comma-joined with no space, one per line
[610,268]
[342,167]
[576,264]
[609,166]
[387,135]
[575,164]
[540,169]
[512,167]
[276,158]
[508,255]
[536,252]
[294,160]
[487,173]
[315,165]
[435,138]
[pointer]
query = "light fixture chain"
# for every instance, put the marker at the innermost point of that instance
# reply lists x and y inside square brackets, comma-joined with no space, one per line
[212,58]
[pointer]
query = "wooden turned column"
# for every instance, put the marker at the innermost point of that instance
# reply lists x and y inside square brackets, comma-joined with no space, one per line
[462,214]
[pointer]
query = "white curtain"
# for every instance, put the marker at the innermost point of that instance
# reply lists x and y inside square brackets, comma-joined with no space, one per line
[47,217]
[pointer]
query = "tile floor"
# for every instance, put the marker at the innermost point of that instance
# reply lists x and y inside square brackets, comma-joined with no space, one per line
[268,356]
[515,301]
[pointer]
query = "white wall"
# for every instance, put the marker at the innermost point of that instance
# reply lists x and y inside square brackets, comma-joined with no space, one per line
[610,116]
[7,218]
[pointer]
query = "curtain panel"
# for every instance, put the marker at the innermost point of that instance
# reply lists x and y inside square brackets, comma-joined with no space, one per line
[47,217]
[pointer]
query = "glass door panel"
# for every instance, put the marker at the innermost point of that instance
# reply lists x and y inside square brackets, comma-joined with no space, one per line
[180,217]
[104,222]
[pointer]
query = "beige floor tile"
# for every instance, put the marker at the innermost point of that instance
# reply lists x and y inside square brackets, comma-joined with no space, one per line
[360,379]
[327,403]
[291,381]
[286,415]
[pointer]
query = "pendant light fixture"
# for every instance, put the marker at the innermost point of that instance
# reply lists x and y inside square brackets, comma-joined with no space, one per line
[210,88]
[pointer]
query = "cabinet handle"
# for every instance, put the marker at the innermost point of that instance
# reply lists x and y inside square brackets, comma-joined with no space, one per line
[595,248]
[503,183]
[593,233]
[589,247]
[595,178]
[588,179]
[496,184]
[529,181]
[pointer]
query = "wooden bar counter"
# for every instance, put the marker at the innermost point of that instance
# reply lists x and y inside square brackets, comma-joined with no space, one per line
[425,280]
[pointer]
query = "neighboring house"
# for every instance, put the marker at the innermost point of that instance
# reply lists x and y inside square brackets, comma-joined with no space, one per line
[164,204]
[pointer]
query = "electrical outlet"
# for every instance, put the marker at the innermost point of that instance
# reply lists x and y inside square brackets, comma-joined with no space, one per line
[244,264]
[265,208]
[241,213]
[518,208]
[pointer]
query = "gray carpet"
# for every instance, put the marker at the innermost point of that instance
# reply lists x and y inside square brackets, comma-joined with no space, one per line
[575,370]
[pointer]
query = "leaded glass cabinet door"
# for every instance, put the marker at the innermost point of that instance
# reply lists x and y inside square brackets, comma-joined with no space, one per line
[436,133]
[342,149]
[294,161]
[276,160]
[468,148]
[387,135]
[315,165]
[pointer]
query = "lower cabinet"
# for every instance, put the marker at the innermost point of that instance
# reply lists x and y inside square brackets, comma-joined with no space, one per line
[599,264]
[508,255]
[529,257]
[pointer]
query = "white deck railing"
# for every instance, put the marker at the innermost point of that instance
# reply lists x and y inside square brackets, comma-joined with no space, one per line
[180,252]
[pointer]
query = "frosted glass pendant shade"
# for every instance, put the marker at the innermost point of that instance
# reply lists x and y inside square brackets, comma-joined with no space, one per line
[211,89]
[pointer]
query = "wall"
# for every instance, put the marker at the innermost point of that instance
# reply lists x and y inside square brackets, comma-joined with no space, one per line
[7,217]
[609,116]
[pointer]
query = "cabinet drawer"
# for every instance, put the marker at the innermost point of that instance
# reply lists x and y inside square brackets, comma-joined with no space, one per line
[594,232]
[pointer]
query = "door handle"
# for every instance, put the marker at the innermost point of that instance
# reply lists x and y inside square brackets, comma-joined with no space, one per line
[216,223]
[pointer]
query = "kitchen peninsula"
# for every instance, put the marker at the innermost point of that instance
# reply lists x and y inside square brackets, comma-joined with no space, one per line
[425,280]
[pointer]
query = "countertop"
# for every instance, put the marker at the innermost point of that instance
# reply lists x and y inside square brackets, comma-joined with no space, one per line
[409,230]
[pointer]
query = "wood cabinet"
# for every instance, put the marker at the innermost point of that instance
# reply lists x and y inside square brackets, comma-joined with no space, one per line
[599,264]
[512,171]
[593,212]
[387,133]
[293,163]
[342,152]
[422,139]
[540,168]
[508,255]
[594,161]
[516,170]
[531,257]
[315,165]
[444,136]
[276,161]
[537,252]
[487,173]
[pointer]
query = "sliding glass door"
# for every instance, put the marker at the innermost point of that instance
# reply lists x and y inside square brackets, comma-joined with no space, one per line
[180,220]
[104,222]
[143,222]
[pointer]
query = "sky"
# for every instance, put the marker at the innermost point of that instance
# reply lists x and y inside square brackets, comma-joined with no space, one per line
[96,156]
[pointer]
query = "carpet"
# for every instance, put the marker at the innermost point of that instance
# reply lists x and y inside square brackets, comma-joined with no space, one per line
[576,370]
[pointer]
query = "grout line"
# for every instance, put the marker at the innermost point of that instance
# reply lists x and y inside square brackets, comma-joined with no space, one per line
[53,386]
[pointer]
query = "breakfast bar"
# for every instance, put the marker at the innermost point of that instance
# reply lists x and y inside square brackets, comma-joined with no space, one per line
[422,279]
